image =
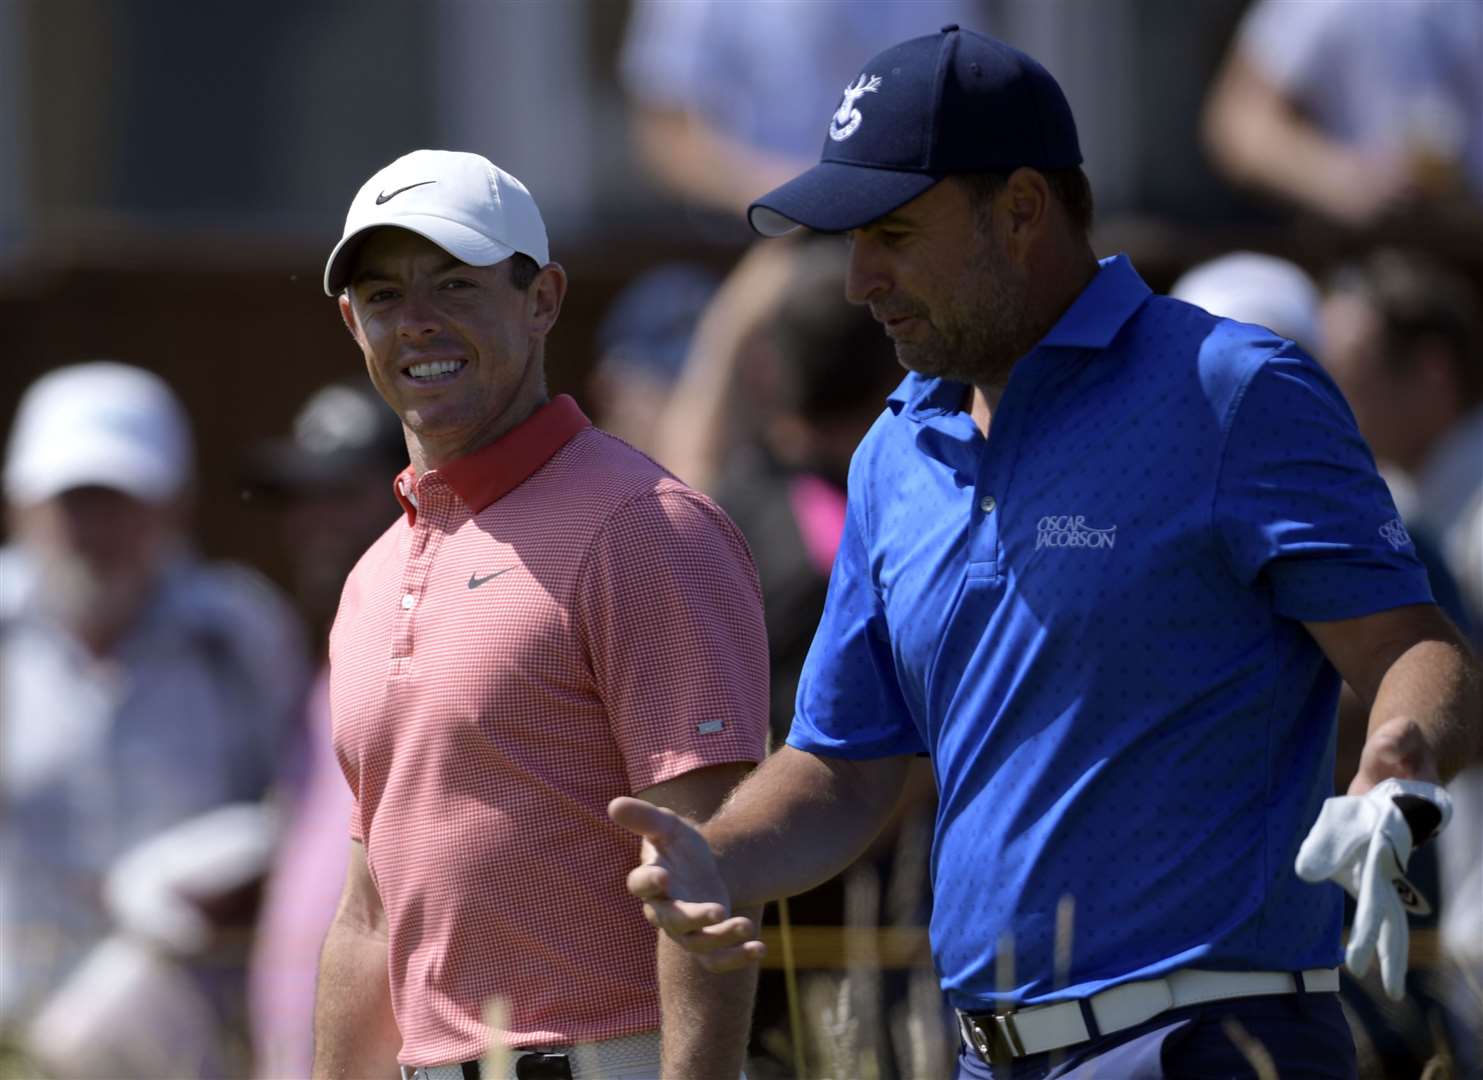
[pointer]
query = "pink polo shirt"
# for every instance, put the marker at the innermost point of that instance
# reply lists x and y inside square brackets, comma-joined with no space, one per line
[555,621]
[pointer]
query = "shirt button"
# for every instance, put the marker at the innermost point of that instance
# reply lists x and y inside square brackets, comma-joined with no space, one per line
[987,504]
[408,601]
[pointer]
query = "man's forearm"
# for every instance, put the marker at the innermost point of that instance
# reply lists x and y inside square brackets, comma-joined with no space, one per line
[355,1032]
[706,1017]
[1426,718]
[799,820]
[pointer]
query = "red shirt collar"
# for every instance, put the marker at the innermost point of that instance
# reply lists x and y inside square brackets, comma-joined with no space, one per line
[493,471]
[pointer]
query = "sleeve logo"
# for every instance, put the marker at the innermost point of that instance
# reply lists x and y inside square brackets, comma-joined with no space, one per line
[1395,534]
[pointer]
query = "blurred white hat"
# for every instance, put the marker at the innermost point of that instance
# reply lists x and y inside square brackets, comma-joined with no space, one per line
[1253,288]
[468,206]
[100,424]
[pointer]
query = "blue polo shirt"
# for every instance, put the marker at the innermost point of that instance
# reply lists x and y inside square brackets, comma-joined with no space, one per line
[1091,621]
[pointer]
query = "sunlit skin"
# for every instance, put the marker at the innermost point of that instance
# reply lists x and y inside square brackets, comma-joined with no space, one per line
[410,302]
[964,294]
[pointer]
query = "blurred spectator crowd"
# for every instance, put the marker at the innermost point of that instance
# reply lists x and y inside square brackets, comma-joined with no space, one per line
[172,819]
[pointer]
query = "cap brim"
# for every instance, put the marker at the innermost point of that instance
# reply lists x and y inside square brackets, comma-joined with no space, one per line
[835,197]
[113,464]
[458,240]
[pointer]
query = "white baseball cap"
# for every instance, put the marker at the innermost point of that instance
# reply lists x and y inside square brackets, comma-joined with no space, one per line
[101,424]
[1254,288]
[468,206]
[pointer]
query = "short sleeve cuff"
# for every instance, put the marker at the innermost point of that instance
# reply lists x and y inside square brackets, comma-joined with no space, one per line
[1328,590]
[855,748]
[661,768]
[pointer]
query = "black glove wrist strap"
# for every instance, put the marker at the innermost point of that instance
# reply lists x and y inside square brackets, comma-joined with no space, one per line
[1422,815]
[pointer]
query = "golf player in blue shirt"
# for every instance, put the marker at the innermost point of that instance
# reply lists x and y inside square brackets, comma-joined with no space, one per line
[1107,557]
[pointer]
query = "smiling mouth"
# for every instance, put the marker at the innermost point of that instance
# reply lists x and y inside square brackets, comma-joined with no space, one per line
[427,371]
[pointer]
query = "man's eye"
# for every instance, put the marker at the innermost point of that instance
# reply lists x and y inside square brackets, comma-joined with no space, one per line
[379,295]
[457,283]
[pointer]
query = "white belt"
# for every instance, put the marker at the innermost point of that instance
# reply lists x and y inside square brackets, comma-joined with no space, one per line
[1038,1028]
[628,1056]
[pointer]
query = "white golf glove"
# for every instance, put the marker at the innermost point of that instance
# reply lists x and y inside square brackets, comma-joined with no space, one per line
[1363,843]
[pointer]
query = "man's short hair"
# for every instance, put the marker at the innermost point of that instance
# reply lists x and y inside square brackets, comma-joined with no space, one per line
[1070,186]
[523,270]
[1417,301]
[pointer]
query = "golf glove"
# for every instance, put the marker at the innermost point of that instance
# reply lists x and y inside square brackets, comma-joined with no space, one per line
[1363,843]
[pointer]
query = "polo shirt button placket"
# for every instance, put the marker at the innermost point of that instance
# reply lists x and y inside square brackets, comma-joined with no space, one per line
[427,531]
[401,645]
[984,544]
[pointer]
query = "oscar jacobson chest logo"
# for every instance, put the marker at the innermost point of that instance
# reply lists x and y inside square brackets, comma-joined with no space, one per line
[1072,531]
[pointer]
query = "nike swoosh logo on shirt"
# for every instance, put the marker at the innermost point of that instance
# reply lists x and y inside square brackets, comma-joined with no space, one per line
[475,580]
[384,197]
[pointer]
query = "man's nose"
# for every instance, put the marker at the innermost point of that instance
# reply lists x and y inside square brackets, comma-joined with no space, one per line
[419,318]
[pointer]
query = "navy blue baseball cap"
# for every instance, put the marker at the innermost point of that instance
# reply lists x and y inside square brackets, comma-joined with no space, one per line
[951,102]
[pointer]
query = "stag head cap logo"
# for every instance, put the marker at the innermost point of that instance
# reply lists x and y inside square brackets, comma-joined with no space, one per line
[847,118]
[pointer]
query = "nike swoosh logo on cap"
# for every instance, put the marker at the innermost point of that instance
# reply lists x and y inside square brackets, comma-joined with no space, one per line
[384,197]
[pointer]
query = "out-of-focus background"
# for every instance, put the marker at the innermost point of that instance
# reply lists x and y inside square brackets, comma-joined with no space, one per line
[172,176]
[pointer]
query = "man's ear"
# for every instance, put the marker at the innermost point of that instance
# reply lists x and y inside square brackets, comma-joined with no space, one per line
[1027,203]
[348,314]
[545,295]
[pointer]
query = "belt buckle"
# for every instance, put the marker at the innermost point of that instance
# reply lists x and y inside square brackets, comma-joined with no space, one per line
[994,1036]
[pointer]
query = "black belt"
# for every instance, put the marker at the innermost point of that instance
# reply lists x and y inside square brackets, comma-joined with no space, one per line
[531,1065]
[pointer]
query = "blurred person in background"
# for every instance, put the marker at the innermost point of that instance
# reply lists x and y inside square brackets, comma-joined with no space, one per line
[642,341]
[829,369]
[727,383]
[724,94]
[1355,110]
[1402,338]
[145,697]
[329,483]
[1253,287]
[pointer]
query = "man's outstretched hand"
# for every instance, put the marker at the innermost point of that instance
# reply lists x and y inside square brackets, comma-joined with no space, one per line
[681,886]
